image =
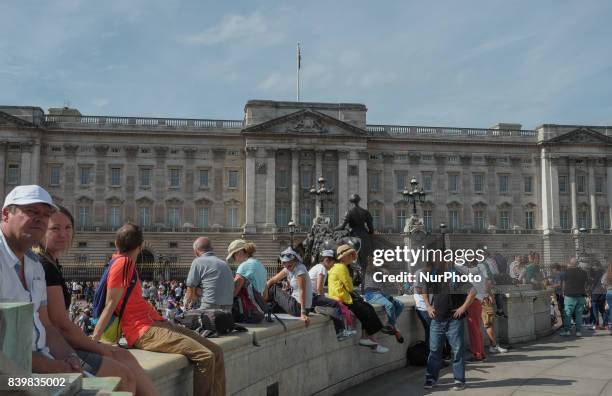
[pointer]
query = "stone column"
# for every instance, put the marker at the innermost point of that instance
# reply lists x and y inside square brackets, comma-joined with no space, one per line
[3,146]
[270,190]
[249,227]
[466,192]
[131,181]
[295,186]
[609,188]
[592,197]
[159,184]
[71,175]
[101,184]
[318,173]
[554,186]
[388,187]
[342,183]
[363,178]
[35,170]
[572,179]
[26,163]
[546,193]
[188,185]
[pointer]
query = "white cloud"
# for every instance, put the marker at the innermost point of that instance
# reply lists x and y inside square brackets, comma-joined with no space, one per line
[275,83]
[252,28]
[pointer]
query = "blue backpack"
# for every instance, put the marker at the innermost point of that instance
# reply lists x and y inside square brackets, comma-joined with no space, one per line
[99,301]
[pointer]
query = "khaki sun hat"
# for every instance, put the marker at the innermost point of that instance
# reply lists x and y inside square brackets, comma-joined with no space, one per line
[343,250]
[233,248]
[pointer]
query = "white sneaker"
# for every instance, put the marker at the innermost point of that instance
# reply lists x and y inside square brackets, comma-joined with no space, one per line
[347,333]
[578,334]
[497,349]
[381,349]
[565,334]
[594,327]
[350,331]
[367,342]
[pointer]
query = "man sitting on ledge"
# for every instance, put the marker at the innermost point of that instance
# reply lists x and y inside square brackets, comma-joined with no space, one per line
[145,329]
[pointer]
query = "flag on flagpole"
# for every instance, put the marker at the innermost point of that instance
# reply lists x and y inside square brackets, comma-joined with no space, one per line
[299,56]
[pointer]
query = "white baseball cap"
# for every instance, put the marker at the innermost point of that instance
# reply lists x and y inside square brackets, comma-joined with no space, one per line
[328,253]
[26,195]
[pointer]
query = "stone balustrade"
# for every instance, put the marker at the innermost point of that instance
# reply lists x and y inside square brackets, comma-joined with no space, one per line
[303,361]
[398,130]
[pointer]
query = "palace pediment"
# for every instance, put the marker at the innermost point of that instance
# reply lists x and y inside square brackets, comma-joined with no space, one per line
[581,136]
[306,122]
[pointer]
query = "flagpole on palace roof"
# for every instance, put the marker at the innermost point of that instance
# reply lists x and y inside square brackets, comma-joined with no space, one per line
[299,64]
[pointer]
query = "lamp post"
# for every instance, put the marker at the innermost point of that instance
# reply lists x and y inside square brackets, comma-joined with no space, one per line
[322,193]
[443,230]
[291,225]
[581,248]
[414,195]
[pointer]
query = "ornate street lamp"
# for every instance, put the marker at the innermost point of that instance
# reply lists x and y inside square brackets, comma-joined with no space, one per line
[581,248]
[443,230]
[322,193]
[414,195]
[291,225]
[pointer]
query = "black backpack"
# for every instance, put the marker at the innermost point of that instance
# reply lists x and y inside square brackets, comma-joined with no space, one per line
[416,354]
[209,322]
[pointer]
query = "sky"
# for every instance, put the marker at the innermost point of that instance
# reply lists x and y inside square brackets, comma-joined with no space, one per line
[470,63]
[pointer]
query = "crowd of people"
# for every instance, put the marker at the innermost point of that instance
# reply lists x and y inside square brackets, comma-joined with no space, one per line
[66,339]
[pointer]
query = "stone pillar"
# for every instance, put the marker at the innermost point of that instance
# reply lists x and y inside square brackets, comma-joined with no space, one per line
[35,170]
[609,190]
[131,181]
[466,192]
[159,184]
[26,163]
[249,227]
[188,186]
[388,187]
[546,192]
[295,186]
[3,146]
[572,177]
[592,197]
[270,190]
[342,183]
[363,178]
[554,186]
[218,215]
[101,185]
[318,173]
[71,175]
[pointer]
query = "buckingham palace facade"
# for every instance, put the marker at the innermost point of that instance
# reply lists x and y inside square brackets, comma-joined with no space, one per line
[254,175]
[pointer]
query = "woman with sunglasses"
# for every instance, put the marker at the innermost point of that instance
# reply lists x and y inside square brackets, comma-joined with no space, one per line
[296,299]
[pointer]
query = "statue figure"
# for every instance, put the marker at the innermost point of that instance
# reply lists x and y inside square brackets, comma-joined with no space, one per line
[359,222]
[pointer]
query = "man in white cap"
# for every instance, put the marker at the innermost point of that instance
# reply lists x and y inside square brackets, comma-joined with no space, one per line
[25,216]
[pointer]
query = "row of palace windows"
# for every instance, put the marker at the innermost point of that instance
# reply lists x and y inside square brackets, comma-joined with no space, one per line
[581,184]
[145,218]
[453,219]
[145,176]
[453,185]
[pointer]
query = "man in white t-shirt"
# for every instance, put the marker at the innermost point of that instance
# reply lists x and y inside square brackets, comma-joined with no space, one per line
[25,216]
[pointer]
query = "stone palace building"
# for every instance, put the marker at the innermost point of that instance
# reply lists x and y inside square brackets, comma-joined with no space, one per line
[506,187]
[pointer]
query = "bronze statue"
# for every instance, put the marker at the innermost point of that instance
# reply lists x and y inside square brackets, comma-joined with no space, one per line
[359,222]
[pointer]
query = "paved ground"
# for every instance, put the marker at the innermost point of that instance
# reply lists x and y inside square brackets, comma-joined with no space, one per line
[551,366]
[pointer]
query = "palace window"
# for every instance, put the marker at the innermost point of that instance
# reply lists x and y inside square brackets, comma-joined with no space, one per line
[599,184]
[282,216]
[562,184]
[528,182]
[85,175]
[401,220]
[376,218]
[144,176]
[114,216]
[503,184]
[144,216]
[479,220]
[453,183]
[174,217]
[54,175]
[427,182]
[175,177]
[453,219]
[478,183]
[375,181]
[504,219]
[306,217]
[306,181]
[564,219]
[400,180]
[581,183]
[203,177]
[529,220]
[115,177]
[202,219]
[232,217]
[12,177]
[282,179]
[84,216]
[232,179]
[427,220]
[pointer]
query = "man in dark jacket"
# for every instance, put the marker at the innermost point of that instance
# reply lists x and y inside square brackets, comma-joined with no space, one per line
[359,221]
